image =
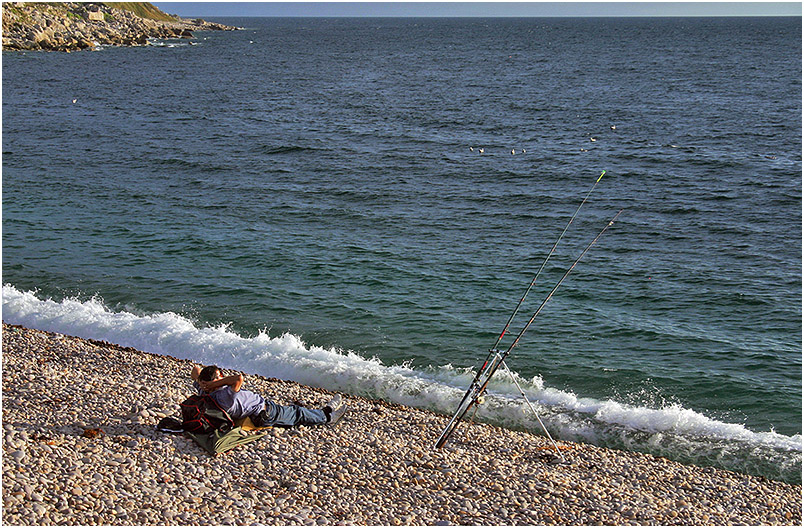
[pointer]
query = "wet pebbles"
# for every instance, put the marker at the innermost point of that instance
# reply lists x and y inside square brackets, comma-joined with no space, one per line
[79,447]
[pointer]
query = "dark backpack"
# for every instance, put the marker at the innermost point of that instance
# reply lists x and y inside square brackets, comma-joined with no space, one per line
[201,414]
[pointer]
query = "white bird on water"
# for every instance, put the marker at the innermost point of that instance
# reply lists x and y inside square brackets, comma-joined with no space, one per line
[75,100]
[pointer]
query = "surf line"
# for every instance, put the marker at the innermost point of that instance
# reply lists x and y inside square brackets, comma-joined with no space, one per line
[496,357]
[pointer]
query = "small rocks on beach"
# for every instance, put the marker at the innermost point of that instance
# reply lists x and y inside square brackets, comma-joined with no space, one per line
[377,467]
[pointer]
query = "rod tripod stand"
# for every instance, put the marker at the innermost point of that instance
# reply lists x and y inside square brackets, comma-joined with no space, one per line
[474,397]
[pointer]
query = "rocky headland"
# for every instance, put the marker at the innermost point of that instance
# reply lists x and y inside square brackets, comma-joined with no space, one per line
[73,26]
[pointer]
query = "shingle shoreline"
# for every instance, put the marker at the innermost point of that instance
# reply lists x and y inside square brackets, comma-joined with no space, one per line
[377,467]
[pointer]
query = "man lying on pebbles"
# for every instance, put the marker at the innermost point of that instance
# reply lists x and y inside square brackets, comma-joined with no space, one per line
[377,468]
[240,403]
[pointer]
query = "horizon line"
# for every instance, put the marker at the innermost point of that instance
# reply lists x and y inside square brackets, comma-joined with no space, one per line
[496,16]
[483,9]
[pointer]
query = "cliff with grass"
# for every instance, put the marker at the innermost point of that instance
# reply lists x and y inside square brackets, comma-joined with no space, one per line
[73,26]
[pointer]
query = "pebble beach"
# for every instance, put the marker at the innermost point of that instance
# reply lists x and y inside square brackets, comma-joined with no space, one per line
[80,448]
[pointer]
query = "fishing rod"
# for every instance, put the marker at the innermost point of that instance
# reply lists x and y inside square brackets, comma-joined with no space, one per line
[474,395]
[493,349]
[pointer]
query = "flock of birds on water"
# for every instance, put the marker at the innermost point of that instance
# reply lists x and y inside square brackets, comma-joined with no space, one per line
[482,150]
[592,139]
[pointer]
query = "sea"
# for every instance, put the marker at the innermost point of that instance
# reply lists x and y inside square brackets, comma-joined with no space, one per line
[360,204]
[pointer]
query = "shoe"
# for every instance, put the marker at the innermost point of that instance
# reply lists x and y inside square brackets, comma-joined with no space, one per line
[333,403]
[336,415]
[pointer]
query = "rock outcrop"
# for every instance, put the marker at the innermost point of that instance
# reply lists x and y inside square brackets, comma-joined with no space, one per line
[72,26]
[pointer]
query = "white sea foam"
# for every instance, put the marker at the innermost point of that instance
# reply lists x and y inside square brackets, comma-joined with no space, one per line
[665,430]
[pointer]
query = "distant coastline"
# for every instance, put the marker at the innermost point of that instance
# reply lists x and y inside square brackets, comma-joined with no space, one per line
[74,26]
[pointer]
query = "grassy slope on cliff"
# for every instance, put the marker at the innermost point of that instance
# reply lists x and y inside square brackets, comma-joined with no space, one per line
[142,9]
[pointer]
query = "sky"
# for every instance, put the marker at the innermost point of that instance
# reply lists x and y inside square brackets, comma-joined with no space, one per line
[485,9]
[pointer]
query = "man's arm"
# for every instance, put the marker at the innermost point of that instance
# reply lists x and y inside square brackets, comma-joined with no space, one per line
[235,381]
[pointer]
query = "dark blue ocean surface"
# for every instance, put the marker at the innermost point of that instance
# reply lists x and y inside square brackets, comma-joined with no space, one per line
[308,198]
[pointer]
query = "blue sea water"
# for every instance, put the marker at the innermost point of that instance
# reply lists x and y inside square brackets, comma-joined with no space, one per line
[307,199]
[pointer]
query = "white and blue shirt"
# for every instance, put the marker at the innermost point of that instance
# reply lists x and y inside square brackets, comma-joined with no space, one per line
[238,404]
